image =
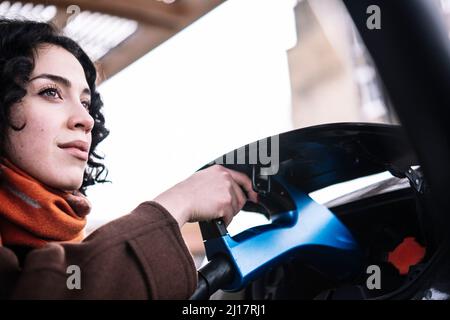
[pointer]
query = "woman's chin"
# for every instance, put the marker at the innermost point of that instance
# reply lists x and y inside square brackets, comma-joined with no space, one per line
[66,185]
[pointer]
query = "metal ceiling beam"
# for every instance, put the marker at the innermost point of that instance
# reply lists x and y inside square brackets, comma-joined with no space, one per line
[158,21]
[175,15]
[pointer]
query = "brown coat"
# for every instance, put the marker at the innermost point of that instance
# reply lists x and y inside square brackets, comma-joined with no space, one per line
[139,256]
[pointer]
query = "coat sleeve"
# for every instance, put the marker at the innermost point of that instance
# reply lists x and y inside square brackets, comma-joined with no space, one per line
[139,256]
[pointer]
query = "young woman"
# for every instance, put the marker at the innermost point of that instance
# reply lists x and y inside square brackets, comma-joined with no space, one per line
[50,126]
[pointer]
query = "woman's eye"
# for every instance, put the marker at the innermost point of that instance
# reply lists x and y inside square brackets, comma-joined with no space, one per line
[86,104]
[50,92]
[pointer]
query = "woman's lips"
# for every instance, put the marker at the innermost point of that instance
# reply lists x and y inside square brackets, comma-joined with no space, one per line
[77,153]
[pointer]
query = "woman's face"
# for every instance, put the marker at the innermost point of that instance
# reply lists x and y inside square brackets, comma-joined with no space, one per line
[54,144]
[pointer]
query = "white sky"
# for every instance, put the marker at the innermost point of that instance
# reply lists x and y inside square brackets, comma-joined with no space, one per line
[219,84]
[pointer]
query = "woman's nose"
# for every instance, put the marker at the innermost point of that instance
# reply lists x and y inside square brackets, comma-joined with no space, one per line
[81,119]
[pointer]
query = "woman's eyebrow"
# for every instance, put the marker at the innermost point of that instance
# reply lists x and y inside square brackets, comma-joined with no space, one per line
[59,79]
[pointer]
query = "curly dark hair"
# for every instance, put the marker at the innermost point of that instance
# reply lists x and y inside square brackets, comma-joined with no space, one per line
[19,41]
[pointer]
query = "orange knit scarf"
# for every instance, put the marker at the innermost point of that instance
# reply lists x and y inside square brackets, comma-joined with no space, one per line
[32,214]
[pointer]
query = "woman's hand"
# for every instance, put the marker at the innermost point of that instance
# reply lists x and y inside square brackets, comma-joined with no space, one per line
[212,193]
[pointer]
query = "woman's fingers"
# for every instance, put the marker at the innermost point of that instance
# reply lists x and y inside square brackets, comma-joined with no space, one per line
[240,197]
[239,183]
[245,182]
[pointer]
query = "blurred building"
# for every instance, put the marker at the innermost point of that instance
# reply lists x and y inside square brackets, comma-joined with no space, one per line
[332,77]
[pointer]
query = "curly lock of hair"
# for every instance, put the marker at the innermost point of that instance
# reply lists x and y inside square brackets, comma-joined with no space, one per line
[19,42]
